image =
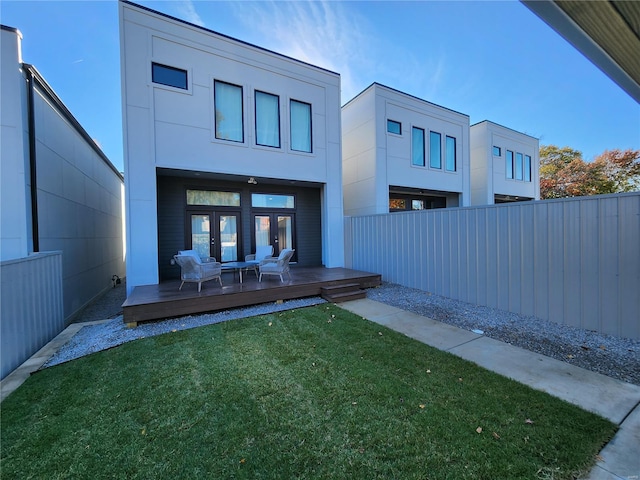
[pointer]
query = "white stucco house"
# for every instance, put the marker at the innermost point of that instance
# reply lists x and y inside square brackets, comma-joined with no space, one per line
[505,165]
[227,146]
[402,153]
[61,211]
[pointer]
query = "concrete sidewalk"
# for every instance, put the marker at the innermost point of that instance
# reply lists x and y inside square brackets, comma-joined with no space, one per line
[615,400]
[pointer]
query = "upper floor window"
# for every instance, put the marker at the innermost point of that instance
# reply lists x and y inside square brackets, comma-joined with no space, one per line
[267,119]
[527,168]
[497,151]
[228,111]
[435,150]
[394,127]
[170,76]
[519,166]
[450,153]
[300,126]
[417,146]
[509,164]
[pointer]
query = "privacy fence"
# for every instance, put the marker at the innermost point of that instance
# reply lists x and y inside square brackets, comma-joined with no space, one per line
[572,261]
[31,310]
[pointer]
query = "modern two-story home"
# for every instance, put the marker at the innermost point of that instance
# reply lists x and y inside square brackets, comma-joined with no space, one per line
[402,153]
[505,165]
[228,146]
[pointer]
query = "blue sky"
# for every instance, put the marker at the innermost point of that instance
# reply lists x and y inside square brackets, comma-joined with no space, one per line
[490,60]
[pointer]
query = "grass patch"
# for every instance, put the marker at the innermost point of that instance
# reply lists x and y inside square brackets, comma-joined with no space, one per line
[310,393]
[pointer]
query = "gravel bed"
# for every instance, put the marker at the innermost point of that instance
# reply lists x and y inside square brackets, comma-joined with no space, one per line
[93,338]
[615,357]
[612,356]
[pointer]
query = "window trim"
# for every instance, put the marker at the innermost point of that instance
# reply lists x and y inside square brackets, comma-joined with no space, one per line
[215,127]
[166,86]
[397,123]
[509,162]
[431,133]
[424,159]
[305,152]
[455,154]
[255,118]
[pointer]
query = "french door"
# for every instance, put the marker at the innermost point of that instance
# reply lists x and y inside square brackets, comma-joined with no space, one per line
[214,234]
[277,229]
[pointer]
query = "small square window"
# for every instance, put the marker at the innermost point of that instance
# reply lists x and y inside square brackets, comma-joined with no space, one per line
[394,127]
[497,151]
[170,76]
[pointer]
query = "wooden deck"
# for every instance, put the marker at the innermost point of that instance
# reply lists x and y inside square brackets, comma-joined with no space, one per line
[156,302]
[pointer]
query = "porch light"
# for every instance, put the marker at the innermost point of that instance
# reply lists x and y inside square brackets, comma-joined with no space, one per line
[252,181]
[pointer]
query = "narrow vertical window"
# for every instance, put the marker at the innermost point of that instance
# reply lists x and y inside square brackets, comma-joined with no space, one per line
[450,153]
[417,146]
[527,168]
[267,119]
[509,164]
[519,166]
[300,126]
[435,150]
[394,127]
[228,108]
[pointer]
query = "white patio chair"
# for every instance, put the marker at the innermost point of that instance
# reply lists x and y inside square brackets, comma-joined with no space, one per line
[196,270]
[276,265]
[262,252]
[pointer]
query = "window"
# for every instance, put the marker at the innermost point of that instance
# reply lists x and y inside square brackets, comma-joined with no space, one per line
[394,127]
[509,164]
[170,76]
[397,204]
[450,153]
[497,151]
[417,147]
[228,107]
[210,197]
[300,126]
[519,166]
[527,168]
[435,150]
[272,200]
[267,119]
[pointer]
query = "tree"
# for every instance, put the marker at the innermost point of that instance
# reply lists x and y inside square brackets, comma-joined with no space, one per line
[563,172]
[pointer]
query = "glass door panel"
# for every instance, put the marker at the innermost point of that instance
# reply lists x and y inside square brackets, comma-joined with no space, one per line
[285,232]
[228,238]
[262,227]
[201,234]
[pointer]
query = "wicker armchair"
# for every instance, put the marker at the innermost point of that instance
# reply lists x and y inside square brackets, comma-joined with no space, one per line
[276,265]
[196,270]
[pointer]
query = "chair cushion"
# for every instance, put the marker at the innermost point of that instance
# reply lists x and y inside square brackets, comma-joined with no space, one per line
[191,253]
[263,251]
[283,253]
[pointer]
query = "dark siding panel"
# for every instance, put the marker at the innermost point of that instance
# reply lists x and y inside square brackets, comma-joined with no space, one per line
[171,219]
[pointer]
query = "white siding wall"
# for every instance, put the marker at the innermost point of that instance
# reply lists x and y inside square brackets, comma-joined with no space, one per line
[489,134]
[15,221]
[374,159]
[168,128]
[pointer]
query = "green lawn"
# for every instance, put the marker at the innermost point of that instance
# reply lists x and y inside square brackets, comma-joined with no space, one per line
[310,393]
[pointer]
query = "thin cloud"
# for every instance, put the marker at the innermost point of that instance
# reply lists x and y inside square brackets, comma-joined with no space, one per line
[187,10]
[336,36]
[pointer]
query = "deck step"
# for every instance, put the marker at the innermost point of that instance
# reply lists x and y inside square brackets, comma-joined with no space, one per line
[342,293]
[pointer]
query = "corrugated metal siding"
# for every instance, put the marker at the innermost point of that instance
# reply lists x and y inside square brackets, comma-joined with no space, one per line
[32,307]
[572,261]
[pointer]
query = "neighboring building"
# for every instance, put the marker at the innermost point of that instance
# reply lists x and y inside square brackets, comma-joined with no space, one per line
[61,210]
[505,165]
[402,153]
[227,146]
